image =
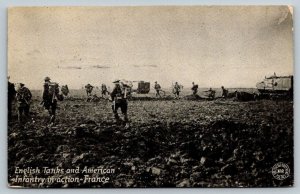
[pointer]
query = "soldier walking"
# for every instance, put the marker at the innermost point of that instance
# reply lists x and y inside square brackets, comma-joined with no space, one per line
[224,92]
[176,90]
[50,97]
[89,89]
[158,89]
[119,99]
[23,98]
[195,89]
[104,90]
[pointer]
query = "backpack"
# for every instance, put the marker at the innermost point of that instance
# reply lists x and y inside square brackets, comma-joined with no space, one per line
[51,92]
[23,95]
[157,87]
[65,90]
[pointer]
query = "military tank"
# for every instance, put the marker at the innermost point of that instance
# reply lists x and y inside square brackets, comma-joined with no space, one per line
[142,87]
[276,86]
[138,87]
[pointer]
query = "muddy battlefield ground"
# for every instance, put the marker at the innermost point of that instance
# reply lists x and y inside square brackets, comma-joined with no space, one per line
[170,143]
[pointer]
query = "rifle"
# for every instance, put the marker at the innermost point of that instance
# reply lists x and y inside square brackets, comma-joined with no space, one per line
[53,97]
[55,88]
[114,104]
[125,93]
[22,97]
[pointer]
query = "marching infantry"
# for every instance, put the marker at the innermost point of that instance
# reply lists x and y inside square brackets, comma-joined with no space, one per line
[23,98]
[176,90]
[158,89]
[50,97]
[104,90]
[119,99]
[195,89]
[10,97]
[118,96]
[224,92]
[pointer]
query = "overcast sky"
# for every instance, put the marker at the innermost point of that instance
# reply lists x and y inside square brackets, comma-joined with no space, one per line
[212,46]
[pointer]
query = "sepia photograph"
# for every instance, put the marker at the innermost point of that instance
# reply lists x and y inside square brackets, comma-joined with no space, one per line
[150,96]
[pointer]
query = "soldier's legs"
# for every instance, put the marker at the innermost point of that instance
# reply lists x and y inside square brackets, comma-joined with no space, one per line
[104,92]
[26,111]
[52,111]
[20,112]
[124,111]
[88,96]
[225,94]
[115,111]
[157,93]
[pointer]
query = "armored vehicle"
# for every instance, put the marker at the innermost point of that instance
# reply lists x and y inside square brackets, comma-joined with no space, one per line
[142,87]
[138,87]
[276,86]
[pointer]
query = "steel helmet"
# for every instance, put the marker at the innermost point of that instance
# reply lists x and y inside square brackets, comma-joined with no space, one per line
[47,78]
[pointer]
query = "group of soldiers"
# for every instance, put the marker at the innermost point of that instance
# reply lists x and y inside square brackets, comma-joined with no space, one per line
[211,93]
[51,95]
[176,89]
[89,89]
[118,97]
[23,97]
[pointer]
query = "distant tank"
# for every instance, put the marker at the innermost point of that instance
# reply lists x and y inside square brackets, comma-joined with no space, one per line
[142,87]
[276,86]
[138,87]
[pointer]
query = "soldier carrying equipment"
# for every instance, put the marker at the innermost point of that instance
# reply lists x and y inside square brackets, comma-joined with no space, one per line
[195,89]
[65,90]
[104,90]
[211,94]
[158,89]
[23,97]
[176,90]
[224,92]
[119,99]
[50,97]
[89,89]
